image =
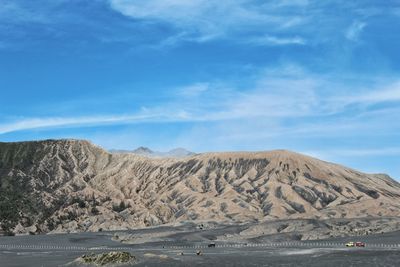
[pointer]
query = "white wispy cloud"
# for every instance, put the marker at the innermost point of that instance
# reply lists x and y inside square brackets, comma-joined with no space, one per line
[51,122]
[277,22]
[275,95]
[269,40]
[354,30]
[388,93]
[86,121]
[272,23]
[203,20]
[383,93]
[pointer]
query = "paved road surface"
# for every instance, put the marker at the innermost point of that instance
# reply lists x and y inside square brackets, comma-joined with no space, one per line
[58,250]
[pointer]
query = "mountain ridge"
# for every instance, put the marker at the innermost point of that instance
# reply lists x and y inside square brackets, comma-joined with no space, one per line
[78,186]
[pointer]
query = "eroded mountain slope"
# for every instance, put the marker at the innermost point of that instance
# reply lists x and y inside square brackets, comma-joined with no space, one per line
[77,186]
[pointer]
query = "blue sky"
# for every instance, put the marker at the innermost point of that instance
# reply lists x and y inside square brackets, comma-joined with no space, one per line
[317,77]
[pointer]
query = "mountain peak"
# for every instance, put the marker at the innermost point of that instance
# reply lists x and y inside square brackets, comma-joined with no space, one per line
[179,152]
[143,150]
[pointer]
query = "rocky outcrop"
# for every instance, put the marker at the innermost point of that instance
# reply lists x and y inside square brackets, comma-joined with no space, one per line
[107,259]
[73,185]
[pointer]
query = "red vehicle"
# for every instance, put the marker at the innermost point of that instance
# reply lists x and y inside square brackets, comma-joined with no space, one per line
[360,244]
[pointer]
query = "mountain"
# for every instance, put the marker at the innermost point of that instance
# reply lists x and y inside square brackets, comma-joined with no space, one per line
[73,185]
[144,151]
[140,151]
[179,153]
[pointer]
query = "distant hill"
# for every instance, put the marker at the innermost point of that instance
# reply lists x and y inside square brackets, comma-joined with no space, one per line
[72,185]
[145,151]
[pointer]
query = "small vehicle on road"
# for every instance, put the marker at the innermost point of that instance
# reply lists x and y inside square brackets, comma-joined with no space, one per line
[360,244]
[212,245]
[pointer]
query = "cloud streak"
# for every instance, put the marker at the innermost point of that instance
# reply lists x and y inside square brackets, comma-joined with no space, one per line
[354,31]
[269,40]
[89,121]
[201,20]
[272,23]
[276,95]
[262,23]
[53,122]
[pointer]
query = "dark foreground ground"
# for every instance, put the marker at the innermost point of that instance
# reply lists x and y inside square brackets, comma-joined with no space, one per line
[63,249]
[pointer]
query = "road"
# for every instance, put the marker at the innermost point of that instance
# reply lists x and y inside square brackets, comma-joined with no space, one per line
[58,250]
[193,245]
